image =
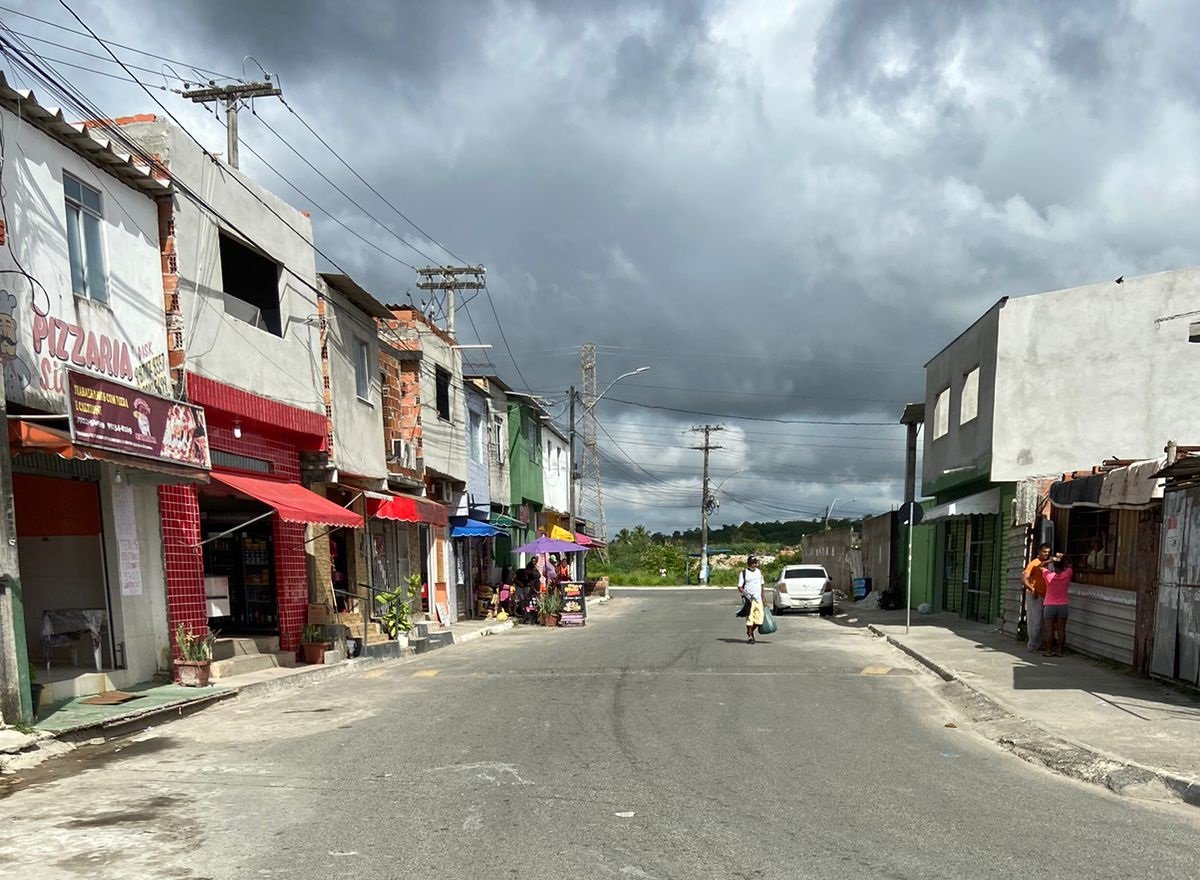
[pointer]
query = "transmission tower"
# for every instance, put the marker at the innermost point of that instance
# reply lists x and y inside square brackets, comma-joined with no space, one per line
[589,471]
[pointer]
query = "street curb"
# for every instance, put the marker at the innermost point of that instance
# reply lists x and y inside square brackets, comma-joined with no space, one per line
[1034,744]
[115,728]
[480,633]
[673,588]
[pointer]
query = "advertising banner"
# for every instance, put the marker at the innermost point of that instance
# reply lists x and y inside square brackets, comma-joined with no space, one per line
[108,415]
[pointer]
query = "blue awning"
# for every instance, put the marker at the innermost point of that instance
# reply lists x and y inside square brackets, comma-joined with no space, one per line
[464,527]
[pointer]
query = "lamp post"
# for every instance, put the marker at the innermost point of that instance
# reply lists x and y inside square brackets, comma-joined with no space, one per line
[586,410]
[829,510]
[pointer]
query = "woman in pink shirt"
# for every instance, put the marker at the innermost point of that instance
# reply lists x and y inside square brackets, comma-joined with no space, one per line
[1058,576]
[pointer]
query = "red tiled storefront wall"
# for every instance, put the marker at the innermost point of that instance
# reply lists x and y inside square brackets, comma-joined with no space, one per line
[291,582]
[184,560]
[180,510]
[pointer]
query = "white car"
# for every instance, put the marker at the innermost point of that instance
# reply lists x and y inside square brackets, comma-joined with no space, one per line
[803,588]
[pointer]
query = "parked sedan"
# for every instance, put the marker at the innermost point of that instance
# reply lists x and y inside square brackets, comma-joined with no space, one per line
[803,588]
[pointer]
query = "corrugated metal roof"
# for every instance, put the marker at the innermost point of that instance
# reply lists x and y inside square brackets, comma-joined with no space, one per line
[79,138]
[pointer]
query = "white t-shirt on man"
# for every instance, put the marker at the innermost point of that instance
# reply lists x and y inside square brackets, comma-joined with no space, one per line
[751,583]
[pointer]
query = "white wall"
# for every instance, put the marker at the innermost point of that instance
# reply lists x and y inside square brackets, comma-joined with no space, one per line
[132,322]
[444,442]
[556,470]
[139,621]
[357,424]
[1091,372]
[478,479]
[220,347]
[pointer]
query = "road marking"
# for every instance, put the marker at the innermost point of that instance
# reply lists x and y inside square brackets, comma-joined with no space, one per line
[425,673]
[876,670]
[375,673]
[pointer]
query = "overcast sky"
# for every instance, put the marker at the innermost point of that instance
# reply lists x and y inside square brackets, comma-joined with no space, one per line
[783,208]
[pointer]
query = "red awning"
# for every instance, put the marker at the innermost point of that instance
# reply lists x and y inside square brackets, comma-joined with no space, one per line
[291,501]
[409,508]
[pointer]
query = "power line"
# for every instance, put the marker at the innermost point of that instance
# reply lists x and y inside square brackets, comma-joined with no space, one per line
[70,30]
[103,58]
[139,151]
[365,183]
[504,337]
[343,193]
[697,412]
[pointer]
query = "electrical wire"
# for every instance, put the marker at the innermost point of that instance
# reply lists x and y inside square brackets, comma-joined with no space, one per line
[104,58]
[778,421]
[70,30]
[503,336]
[341,191]
[365,183]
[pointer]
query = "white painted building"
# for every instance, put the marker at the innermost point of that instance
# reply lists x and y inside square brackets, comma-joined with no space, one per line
[81,294]
[1044,385]
[359,451]
[556,471]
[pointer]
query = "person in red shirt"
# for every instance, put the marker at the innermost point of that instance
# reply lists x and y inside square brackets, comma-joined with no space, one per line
[1057,575]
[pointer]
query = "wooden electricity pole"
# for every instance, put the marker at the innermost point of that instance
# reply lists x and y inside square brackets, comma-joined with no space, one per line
[233,96]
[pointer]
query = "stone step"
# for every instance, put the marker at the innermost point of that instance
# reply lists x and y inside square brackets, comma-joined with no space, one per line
[243,663]
[228,648]
[418,644]
[267,644]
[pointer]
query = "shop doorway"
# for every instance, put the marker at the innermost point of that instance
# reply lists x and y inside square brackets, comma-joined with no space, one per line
[239,567]
[67,607]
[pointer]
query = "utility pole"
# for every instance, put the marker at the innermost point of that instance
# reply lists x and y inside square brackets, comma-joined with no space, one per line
[451,282]
[233,95]
[590,489]
[571,458]
[706,500]
[15,706]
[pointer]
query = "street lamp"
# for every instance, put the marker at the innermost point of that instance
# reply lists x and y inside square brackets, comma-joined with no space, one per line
[829,510]
[586,410]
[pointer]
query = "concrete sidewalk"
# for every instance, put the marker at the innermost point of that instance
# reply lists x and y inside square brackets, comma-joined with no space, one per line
[1079,716]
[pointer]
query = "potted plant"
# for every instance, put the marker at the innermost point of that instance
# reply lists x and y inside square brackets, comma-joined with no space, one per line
[195,655]
[313,644]
[395,610]
[549,607]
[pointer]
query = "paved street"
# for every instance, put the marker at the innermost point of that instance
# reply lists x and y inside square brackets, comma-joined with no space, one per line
[653,743]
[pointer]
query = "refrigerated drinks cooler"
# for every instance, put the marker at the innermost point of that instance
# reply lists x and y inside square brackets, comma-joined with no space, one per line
[240,566]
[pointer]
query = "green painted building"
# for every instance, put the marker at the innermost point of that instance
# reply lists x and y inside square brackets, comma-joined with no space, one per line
[525,468]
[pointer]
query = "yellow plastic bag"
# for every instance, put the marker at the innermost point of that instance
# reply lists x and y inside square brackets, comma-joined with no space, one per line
[502,616]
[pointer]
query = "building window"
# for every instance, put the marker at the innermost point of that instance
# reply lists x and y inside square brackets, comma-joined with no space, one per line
[250,286]
[475,429]
[1092,541]
[968,406]
[443,394]
[558,465]
[941,414]
[498,429]
[533,439]
[362,370]
[85,239]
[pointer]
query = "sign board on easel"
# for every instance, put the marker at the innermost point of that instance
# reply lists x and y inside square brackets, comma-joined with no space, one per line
[443,613]
[574,608]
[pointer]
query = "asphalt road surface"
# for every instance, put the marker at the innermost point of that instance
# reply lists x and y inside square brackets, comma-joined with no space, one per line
[654,743]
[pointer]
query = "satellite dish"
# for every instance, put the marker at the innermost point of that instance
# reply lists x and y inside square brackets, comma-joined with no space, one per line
[913,513]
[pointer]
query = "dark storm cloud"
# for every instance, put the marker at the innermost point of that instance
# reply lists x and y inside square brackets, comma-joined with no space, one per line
[782,209]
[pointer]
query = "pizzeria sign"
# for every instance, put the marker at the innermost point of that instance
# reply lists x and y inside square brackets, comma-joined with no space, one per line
[120,418]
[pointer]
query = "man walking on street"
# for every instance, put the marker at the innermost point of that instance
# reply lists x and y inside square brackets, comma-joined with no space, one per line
[750,583]
[1033,579]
